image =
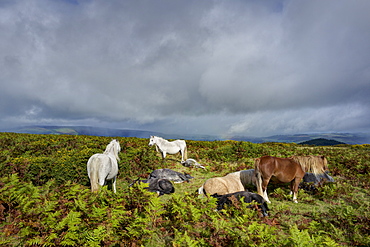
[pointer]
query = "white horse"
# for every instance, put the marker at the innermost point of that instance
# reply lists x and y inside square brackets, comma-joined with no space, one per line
[166,147]
[104,167]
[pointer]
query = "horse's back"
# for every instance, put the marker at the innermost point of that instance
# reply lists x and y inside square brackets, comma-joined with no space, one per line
[214,185]
[172,147]
[180,142]
[234,181]
[222,185]
[106,166]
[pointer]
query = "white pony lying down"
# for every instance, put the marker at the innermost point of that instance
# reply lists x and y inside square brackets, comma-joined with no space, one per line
[192,163]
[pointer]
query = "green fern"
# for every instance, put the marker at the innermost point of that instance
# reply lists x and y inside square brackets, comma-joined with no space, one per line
[96,236]
[184,240]
[301,238]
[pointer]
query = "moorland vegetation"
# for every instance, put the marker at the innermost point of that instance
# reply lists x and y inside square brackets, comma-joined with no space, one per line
[45,197]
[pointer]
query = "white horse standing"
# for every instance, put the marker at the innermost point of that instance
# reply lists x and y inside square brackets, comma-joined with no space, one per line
[104,167]
[166,147]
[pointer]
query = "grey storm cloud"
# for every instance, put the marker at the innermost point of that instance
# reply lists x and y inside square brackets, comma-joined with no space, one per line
[212,67]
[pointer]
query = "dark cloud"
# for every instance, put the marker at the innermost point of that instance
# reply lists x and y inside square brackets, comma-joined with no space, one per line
[212,67]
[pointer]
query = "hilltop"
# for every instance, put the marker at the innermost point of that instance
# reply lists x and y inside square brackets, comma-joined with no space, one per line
[321,142]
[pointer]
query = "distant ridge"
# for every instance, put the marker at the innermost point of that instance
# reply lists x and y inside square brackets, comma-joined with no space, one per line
[349,138]
[321,142]
[83,130]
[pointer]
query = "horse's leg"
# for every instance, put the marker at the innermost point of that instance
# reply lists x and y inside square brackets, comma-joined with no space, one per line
[265,182]
[182,154]
[265,196]
[258,182]
[163,154]
[114,180]
[294,187]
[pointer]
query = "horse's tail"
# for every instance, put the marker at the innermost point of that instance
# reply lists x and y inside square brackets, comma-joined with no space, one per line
[93,174]
[258,176]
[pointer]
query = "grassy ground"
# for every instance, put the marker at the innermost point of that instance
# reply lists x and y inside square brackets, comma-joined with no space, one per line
[336,214]
[312,211]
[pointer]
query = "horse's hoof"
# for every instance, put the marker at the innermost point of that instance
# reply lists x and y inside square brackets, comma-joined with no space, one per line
[295,201]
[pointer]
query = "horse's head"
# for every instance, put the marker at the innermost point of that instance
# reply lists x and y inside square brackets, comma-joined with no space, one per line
[113,148]
[188,176]
[117,146]
[152,140]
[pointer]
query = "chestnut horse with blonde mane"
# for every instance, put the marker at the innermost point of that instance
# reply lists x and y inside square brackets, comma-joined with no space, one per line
[286,170]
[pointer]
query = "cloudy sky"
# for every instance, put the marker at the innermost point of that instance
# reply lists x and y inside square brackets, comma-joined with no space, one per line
[221,67]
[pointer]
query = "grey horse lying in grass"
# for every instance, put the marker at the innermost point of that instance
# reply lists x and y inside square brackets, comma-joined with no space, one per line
[246,196]
[171,175]
[159,185]
[232,182]
[317,178]
[311,182]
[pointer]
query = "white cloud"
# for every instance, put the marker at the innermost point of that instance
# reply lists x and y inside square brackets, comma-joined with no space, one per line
[183,66]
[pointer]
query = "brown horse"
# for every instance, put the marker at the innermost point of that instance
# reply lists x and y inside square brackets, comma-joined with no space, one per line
[284,170]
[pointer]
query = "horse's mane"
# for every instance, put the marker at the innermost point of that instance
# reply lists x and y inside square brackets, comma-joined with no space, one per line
[113,148]
[311,163]
[161,139]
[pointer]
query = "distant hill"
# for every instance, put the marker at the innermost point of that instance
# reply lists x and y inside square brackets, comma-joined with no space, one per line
[321,142]
[83,130]
[349,138]
[97,131]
